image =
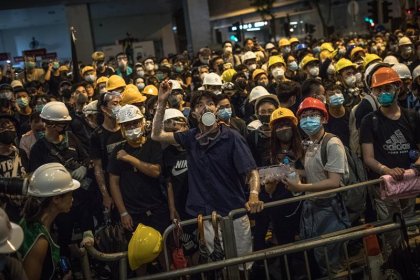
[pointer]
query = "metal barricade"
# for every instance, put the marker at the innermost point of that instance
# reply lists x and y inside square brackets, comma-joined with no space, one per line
[284,250]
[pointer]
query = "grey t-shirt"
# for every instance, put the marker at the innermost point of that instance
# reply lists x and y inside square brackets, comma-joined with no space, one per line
[336,162]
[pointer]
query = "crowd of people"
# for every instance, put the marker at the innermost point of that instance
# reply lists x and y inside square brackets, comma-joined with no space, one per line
[143,144]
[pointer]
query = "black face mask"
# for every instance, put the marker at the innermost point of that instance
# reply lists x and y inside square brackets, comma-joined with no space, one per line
[7,137]
[265,119]
[284,134]
[66,93]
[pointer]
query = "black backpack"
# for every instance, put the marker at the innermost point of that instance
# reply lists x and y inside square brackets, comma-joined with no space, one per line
[354,199]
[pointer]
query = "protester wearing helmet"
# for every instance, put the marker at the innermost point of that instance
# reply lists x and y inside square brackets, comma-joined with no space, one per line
[346,71]
[260,78]
[284,47]
[88,74]
[293,43]
[276,69]
[249,59]
[226,115]
[414,99]
[115,84]
[326,214]
[226,193]
[134,169]
[101,84]
[212,82]
[310,65]
[405,75]
[50,193]
[98,62]
[388,136]
[357,55]
[406,52]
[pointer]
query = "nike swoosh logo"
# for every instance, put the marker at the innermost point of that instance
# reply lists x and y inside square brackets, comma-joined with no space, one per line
[177,172]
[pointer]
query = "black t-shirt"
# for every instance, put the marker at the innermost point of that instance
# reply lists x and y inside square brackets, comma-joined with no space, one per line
[102,143]
[81,130]
[339,127]
[107,73]
[70,150]
[260,148]
[140,192]
[24,124]
[175,170]
[392,139]
[362,110]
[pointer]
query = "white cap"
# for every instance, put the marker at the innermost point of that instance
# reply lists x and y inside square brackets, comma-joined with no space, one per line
[257,92]
[212,79]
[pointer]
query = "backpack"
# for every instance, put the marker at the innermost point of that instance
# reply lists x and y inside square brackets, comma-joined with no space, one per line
[354,199]
[354,132]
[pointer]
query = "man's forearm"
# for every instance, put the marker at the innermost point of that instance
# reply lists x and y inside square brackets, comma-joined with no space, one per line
[157,127]
[100,179]
[254,182]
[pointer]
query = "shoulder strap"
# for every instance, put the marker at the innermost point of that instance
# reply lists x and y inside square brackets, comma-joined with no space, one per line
[54,151]
[324,143]
[411,117]
[372,102]
[15,162]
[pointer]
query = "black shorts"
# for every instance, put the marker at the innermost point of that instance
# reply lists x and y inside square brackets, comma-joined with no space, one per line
[157,219]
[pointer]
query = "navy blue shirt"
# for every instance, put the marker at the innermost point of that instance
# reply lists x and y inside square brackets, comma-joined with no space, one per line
[216,172]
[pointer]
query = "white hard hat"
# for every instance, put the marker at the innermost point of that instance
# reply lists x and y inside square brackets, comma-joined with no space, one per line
[128,113]
[212,79]
[416,72]
[91,108]
[55,111]
[172,113]
[175,84]
[269,46]
[402,71]
[248,55]
[404,41]
[11,235]
[367,73]
[390,59]
[51,179]
[256,92]
[261,99]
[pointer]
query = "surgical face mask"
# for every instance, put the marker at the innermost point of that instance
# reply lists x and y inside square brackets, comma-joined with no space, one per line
[149,67]
[225,114]
[311,125]
[115,111]
[293,66]
[38,107]
[336,99]
[133,134]
[39,134]
[263,84]
[277,72]
[286,50]
[331,69]
[386,99]
[316,50]
[141,86]
[350,81]
[90,78]
[22,102]
[358,77]
[342,52]
[284,134]
[122,64]
[100,65]
[264,119]
[55,65]
[204,60]
[7,137]
[179,68]
[252,67]
[228,50]
[314,71]
[160,76]
[30,64]
[140,73]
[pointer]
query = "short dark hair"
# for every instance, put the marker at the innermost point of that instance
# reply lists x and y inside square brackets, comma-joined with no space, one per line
[200,94]
[35,117]
[308,86]
[287,89]
[221,97]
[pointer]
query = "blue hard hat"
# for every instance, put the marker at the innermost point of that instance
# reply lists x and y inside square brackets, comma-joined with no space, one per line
[301,47]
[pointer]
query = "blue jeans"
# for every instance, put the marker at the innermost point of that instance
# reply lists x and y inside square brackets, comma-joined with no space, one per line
[322,216]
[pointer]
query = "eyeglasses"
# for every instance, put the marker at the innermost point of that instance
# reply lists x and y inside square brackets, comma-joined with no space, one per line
[388,88]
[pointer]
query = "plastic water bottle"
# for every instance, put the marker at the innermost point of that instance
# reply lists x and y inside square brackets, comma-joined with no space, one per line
[292,174]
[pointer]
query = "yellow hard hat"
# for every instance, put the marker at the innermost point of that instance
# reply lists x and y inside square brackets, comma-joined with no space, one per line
[344,63]
[327,46]
[355,50]
[98,56]
[87,69]
[115,82]
[144,246]
[293,40]
[325,54]
[257,72]
[102,79]
[227,75]
[369,58]
[283,42]
[281,113]
[404,41]
[307,59]
[276,59]
[63,68]
[132,95]
[150,90]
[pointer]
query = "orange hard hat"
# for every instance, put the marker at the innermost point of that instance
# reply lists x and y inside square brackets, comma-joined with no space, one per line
[383,76]
[312,103]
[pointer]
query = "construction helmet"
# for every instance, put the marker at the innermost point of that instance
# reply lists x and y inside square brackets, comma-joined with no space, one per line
[293,40]
[132,95]
[87,69]
[55,111]
[402,70]
[144,246]
[369,58]
[102,79]
[115,82]
[269,46]
[390,59]
[282,113]
[91,108]
[257,73]
[128,113]
[312,103]
[356,50]
[274,60]
[256,92]
[248,55]
[150,90]
[416,72]
[175,85]
[261,99]
[172,113]
[301,47]
[307,59]
[404,41]
[98,56]
[384,76]
[344,63]
[212,79]
[283,42]
[51,179]
[227,75]
[327,46]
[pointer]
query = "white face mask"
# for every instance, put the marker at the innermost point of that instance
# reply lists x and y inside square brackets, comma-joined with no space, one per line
[252,67]
[141,86]
[150,67]
[358,77]
[140,73]
[133,134]
[314,71]
[277,72]
[331,69]
[228,50]
[90,78]
[350,81]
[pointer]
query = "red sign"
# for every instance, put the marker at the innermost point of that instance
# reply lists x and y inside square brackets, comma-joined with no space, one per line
[34,53]
[18,59]
[52,55]
[4,56]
